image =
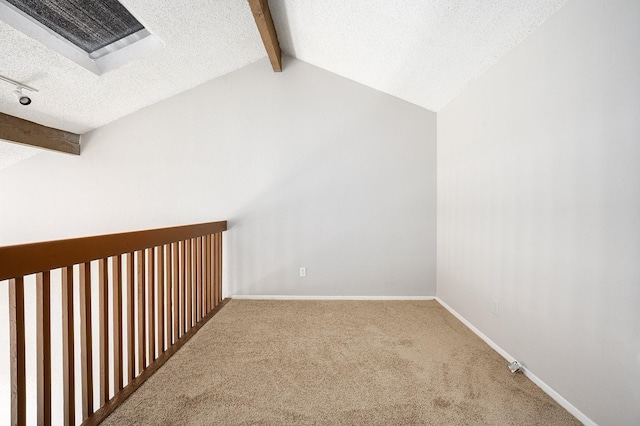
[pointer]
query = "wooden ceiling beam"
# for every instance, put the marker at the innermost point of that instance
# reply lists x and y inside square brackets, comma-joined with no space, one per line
[262,15]
[14,129]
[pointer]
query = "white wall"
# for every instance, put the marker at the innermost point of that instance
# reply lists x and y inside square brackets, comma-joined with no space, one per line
[310,169]
[539,206]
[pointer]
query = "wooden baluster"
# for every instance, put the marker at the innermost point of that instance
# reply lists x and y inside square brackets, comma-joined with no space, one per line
[214,249]
[198,279]
[68,355]
[220,267]
[183,287]
[213,271]
[194,282]
[215,266]
[131,349]
[103,313]
[160,275]
[205,276]
[207,272]
[142,329]
[86,349]
[17,343]
[176,291]
[168,284]
[215,256]
[151,311]
[188,279]
[117,324]
[43,346]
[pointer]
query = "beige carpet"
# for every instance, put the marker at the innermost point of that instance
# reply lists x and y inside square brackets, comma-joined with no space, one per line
[337,362]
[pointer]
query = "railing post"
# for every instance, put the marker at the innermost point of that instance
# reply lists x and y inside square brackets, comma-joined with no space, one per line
[103,313]
[218,269]
[142,330]
[160,300]
[189,285]
[131,348]
[151,311]
[175,282]
[168,291]
[43,346]
[16,324]
[68,356]
[207,274]
[198,279]
[117,323]
[86,349]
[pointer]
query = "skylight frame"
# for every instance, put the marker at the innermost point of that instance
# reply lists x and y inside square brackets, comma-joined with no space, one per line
[100,61]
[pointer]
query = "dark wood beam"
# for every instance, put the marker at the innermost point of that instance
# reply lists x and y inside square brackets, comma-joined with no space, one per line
[262,15]
[14,129]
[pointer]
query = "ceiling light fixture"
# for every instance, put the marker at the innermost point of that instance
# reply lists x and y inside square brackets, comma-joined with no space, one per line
[18,93]
[24,100]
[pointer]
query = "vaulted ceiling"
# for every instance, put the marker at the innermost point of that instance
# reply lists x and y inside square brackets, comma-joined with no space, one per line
[424,52]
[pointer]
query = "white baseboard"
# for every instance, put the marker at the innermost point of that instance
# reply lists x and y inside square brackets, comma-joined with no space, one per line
[535,379]
[288,297]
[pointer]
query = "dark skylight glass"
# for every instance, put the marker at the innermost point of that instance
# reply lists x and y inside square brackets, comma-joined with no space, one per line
[89,24]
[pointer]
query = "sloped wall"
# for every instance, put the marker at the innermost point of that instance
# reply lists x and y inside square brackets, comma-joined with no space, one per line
[539,206]
[310,169]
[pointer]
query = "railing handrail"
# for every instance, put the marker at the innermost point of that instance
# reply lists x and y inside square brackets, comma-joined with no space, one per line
[154,289]
[24,259]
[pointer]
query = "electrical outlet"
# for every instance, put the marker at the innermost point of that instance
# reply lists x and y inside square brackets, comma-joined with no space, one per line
[303,271]
[495,308]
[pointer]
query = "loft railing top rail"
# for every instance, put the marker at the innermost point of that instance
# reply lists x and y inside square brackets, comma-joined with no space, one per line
[25,259]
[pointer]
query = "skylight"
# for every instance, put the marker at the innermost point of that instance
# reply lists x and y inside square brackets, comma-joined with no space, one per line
[100,35]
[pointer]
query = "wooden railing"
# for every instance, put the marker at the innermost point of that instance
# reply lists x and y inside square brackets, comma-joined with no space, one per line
[155,289]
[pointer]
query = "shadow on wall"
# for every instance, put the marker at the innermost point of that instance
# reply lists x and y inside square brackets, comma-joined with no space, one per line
[283,30]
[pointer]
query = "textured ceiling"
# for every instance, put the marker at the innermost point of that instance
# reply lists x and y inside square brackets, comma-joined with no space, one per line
[424,52]
[204,40]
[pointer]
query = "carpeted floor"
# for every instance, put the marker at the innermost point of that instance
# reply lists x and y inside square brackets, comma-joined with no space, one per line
[337,362]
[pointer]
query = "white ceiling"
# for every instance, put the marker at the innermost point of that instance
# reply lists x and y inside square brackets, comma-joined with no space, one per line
[204,40]
[422,51]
